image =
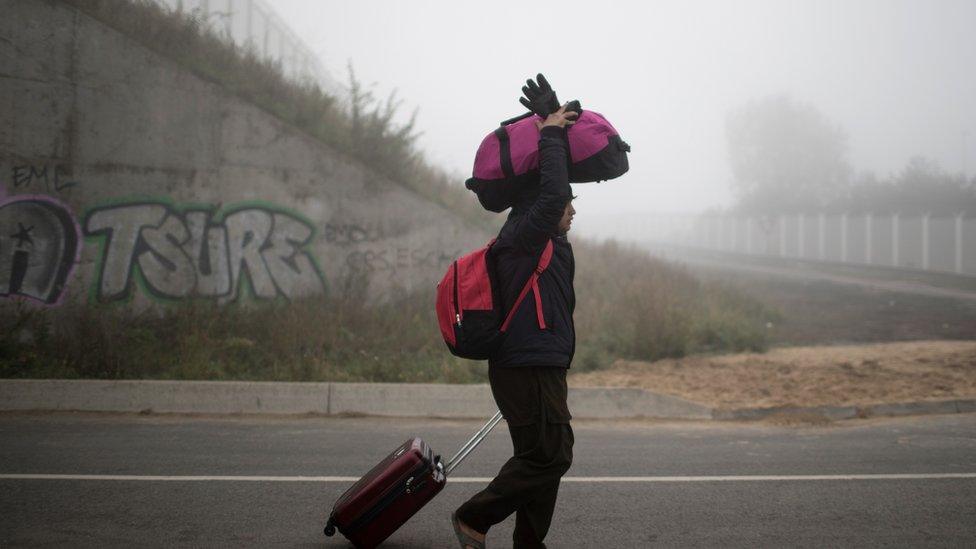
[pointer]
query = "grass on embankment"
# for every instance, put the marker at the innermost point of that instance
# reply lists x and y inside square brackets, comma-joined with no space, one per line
[628,306]
[363,128]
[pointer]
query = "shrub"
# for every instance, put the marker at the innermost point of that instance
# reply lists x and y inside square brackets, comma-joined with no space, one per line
[628,306]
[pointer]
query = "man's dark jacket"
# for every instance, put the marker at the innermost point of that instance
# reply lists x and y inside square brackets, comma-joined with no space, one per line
[533,221]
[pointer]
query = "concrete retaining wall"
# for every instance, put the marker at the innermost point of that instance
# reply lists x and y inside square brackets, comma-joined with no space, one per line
[125,177]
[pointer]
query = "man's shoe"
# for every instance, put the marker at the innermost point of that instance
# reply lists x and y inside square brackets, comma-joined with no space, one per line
[465,540]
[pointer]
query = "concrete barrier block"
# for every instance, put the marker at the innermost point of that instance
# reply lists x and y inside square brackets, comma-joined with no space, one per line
[618,402]
[840,412]
[966,406]
[204,397]
[752,414]
[413,400]
[915,408]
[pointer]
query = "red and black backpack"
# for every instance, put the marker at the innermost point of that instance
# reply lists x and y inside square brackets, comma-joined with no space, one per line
[469,309]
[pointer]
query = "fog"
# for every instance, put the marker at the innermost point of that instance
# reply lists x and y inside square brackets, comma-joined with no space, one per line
[896,75]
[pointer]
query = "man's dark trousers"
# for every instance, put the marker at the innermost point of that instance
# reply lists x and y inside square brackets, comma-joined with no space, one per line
[533,401]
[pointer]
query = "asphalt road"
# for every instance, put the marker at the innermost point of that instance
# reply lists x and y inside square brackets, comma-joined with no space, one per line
[695,495]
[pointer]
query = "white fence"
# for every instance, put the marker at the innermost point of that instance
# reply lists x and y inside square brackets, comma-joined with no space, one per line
[254,25]
[946,244]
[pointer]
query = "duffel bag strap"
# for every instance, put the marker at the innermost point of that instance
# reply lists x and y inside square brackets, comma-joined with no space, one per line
[505,152]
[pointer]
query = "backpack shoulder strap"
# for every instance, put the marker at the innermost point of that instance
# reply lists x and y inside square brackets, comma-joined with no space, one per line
[545,258]
[532,285]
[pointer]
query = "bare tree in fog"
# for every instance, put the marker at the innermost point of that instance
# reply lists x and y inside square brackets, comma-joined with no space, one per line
[921,187]
[786,156]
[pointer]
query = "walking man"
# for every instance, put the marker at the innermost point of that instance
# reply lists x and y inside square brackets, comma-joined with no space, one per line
[528,372]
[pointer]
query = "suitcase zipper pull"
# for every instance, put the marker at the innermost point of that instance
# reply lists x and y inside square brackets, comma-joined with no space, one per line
[411,489]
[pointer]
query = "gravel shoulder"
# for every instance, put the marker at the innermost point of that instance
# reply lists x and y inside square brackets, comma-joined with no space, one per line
[805,376]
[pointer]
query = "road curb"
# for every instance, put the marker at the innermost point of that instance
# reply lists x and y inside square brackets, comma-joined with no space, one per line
[921,408]
[924,407]
[397,400]
[375,399]
[753,414]
[195,397]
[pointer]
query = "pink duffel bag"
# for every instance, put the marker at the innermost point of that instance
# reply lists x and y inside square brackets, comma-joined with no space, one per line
[508,157]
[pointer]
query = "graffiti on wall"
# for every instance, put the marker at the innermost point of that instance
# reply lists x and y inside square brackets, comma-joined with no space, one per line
[369,256]
[53,178]
[343,234]
[393,260]
[39,245]
[202,252]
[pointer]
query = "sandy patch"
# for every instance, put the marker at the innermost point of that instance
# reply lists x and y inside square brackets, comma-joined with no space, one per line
[806,376]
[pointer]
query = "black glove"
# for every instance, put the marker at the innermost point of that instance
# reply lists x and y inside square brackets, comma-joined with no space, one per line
[539,98]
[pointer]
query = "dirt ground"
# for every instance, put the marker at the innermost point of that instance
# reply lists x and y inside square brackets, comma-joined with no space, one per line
[806,376]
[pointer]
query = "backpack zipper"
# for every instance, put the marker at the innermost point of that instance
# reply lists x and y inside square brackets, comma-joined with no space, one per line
[457,308]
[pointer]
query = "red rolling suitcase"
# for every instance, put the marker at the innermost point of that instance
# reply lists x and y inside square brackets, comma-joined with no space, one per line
[396,488]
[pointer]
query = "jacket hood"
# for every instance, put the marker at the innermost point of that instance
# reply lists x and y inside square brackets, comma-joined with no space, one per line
[525,199]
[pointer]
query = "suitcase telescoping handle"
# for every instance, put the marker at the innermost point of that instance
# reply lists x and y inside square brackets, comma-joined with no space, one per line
[472,444]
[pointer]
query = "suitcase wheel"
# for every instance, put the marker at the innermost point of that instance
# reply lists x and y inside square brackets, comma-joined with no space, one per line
[329,529]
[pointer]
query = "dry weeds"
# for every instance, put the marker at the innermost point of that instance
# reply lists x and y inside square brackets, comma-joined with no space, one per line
[806,376]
